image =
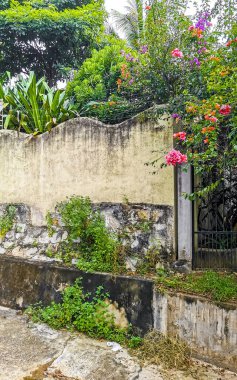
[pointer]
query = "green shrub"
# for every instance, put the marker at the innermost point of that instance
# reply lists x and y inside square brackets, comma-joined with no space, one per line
[84,313]
[89,241]
[97,77]
[109,85]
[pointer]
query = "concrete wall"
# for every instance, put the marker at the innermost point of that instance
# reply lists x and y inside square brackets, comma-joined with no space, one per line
[88,158]
[209,329]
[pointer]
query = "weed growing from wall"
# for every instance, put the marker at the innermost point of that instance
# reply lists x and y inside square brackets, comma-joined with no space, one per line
[89,242]
[7,220]
[82,312]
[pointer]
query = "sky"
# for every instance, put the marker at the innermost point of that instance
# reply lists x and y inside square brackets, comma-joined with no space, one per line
[115,4]
[119,5]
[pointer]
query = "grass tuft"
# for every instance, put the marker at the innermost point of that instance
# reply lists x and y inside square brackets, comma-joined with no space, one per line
[170,352]
[216,286]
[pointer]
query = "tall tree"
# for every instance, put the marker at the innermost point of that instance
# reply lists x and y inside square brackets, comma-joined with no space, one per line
[46,40]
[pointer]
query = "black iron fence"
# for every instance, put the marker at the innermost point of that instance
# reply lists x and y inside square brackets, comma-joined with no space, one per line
[215,223]
[216,250]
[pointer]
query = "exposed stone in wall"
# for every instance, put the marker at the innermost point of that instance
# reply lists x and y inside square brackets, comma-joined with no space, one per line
[142,227]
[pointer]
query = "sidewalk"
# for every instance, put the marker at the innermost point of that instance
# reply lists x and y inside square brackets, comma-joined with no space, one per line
[35,352]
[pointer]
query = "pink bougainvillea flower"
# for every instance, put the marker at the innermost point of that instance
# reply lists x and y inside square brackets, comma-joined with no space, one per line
[148,8]
[230,42]
[175,157]
[176,53]
[225,109]
[213,119]
[180,135]
[191,27]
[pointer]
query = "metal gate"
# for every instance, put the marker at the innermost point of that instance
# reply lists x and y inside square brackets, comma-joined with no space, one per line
[215,223]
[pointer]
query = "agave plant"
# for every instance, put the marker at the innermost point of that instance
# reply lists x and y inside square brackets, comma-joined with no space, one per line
[33,107]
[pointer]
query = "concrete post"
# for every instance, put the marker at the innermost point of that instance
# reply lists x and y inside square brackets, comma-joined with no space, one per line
[184,217]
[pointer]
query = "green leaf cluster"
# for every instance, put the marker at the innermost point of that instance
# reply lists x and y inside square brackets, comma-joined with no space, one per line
[33,107]
[44,40]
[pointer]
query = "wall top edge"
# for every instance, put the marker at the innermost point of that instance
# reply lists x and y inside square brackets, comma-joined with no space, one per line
[89,122]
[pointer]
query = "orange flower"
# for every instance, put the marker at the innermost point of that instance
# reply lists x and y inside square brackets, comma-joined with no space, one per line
[206,141]
[191,109]
[223,73]
[119,82]
[112,103]
[208,129]
[217,106]
[212,58]
[197,33]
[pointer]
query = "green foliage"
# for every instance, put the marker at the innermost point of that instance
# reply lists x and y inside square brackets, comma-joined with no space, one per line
[211,136]
[38,4]
[34,107]
[217,286]
[116,83]
[165,29]
[110,85]
[96,79]
[45,40]
[89,241]
[84,313]
[68,4]
[7,220]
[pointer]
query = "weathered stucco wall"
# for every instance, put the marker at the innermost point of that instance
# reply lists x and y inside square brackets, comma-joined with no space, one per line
[87,158]
[209,329]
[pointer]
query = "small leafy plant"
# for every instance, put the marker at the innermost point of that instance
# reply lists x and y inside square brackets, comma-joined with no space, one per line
[7,220]
[84,313]
[89,242]
[34,107]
